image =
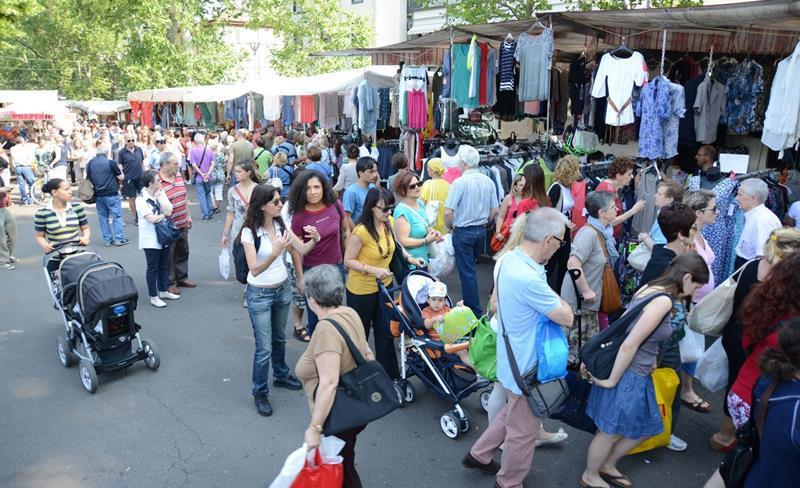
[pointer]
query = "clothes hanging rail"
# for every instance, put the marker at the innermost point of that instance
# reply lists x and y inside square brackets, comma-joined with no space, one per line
[755,174]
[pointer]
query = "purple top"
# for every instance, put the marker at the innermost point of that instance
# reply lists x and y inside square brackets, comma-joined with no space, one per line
[207,160]
[328,224]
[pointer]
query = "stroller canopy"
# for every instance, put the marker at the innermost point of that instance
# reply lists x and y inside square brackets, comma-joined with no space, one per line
[73,265]
[102,285]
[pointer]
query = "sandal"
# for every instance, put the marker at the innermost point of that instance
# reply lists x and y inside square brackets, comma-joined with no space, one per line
[587,485]
[555,438]
[699,405]
[616,480]
[719,446]
[302,335]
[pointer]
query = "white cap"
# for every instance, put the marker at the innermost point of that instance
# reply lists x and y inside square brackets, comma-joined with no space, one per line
[437,290]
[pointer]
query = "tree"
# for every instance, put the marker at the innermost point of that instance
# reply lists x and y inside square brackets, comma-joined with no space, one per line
[89,49]
[307,27]
[12,11]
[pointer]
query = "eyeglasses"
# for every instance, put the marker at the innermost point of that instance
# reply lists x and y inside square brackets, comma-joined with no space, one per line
[561,242]
[386,210]
[413,186]
[712,209]
[277,202]
[130,140]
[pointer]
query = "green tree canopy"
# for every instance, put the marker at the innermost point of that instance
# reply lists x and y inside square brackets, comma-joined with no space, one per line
[88,49]
[307,27]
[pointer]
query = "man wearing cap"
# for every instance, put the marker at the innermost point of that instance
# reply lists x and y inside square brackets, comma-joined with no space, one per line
[131,158]
[470,205]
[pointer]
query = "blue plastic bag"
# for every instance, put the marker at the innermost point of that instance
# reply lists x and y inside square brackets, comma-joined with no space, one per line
[551,350]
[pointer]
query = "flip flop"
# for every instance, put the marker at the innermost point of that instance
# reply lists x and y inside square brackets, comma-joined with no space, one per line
[302,335]
[587,485]
[615,480]
[697,406]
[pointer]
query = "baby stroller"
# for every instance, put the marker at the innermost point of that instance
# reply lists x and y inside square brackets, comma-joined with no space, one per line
[430,361]
[96,300]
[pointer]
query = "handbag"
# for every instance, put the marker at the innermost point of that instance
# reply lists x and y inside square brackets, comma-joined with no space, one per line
[639,258]
[736,465]
[544,398]
[713,312]
[86,190]
[398,265]
[665,384]
[364,394]
[611,299]
[166,232]
[497,244]
[600,352]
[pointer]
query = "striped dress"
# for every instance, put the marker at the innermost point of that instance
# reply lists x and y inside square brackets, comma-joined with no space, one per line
[66,228]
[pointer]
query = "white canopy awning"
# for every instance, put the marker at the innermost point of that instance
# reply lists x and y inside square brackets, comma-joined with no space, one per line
[206,93]
[99,107]
[13,96]
[34,110]
[338,81]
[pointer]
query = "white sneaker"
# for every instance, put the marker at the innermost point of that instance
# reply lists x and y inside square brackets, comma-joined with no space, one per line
[676,444]
[157,302]
[167,295]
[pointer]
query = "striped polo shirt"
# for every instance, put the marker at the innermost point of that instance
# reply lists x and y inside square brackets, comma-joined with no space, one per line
[176,192]
[63,229]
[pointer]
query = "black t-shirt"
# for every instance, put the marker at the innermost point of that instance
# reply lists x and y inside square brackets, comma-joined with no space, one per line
[659,260]
[132,162]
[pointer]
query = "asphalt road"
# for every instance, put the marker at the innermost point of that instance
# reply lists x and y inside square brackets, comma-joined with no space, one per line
[193,424]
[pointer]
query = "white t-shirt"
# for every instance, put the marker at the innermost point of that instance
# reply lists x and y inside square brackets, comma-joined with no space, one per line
[794,212]
[759,222]
[23,154]
[147,229]
[622,74]
[372,152]
[276,273]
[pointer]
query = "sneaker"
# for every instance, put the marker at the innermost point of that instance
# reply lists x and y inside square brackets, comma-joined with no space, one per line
[676,444]
[13,259]
[123,242]
[168,296]
[262,405]
[244,303]
[157,302]
[7,266]
[289,382]
[109,244]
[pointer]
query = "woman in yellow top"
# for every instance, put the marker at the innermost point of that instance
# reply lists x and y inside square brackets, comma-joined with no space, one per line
[436,189]
[367,256]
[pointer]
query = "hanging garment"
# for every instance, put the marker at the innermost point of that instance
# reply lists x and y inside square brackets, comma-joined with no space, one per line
[272,107]
[620,75]
[484,48]
[645,188]
[413,78]
[653,107]
[535,56]
[328,110]
[147,114]
[287,111]
[505,107]
[385,106]
[230,110]
[677,111]
[506,62]
[307,114]
[459,88]
[577,79]
[474,66]
[745,82]
[206,117]
[491,77]
[708,107]
[240,105]
[178,114]
[684,70]
[417,115]
[782,119]
[722,234]
[198,116]
[560,90]
[368,106]
[686,134]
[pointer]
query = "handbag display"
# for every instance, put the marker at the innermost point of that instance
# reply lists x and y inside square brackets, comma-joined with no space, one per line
[611,298]
[639,258]
[364,394]
[714,311]
[600,352]
[736,465]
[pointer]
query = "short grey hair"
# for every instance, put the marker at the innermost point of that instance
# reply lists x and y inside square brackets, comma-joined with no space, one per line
[324,284]
[698,199]
[102,147]
[543,222]
[756,188]
[597,201]
[199,138]
[469,156]
[165,157]
[241,133]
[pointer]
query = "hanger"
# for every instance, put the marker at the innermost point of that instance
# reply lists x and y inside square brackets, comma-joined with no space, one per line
[536,25]
[509,37]
[622,49]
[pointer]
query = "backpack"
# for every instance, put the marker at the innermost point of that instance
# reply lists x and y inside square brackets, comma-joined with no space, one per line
[239,258]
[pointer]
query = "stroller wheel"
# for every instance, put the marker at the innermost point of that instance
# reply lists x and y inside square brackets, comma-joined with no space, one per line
[410,394]
[450,425]
[485,394]
[464,424]
[88,376]
[153,360]
[65,352]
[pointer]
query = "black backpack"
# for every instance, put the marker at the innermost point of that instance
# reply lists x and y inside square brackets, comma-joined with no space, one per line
[600,352]
[239,258]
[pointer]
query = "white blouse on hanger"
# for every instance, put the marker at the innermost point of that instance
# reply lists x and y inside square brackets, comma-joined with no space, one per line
[622,74]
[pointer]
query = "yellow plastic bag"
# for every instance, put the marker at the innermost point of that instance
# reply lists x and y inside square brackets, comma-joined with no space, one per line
[666,382]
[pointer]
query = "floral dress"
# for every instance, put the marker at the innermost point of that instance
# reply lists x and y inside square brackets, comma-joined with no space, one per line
[238,207]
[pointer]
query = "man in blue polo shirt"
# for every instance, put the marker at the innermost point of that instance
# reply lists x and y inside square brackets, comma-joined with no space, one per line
[131,158]
[355,195]
[106,177]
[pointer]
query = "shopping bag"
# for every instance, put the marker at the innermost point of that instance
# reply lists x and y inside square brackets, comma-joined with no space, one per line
[444,263]
[639,257]
[714,311]
[573,410]
[432,211]
[224,263]
[692,346]
[291,468]
[483,349]
[712,368]
[666,382]
[552,350]
[458,322]
[319,473]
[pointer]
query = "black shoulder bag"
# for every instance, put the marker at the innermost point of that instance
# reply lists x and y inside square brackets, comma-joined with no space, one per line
[545,399]
[364,394]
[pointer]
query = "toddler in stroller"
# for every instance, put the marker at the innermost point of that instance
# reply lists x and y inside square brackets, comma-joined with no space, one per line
[434,316]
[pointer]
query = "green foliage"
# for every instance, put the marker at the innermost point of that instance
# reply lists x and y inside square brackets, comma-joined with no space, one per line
[317,25]
[12,11]
[629,4]
[102,49]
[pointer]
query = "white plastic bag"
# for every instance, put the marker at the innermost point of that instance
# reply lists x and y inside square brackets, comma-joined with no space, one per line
[443,265]
[692,346]
[432,211]
[329,449]
[712,368]
[224,263]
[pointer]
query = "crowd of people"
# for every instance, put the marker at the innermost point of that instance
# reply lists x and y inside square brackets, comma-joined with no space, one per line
[319,231]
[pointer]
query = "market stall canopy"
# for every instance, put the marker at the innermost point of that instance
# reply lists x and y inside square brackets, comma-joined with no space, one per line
[338,81]
[99,107]
[13,96]
[34,110]
[763,27]
[205,93]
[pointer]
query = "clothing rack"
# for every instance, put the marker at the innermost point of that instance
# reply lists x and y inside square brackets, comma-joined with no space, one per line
[755,174]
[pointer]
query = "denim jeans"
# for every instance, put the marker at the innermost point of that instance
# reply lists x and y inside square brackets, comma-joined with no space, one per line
[157,270]
[110,206]
[268,309]
[25,180]
[204,195]
[312,317]
[468,242]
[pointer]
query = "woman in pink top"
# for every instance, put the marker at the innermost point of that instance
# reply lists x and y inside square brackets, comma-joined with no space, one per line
[510,207]
[704,204]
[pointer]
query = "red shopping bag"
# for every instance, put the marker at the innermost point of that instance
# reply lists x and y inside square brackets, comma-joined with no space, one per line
[319,475]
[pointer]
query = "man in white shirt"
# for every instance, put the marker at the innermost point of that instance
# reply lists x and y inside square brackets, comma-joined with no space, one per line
[759,221]
[794,213]
[23,155]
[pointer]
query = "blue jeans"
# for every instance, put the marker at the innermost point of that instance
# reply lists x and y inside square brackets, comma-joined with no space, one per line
[157,270]
[204,195]
[268,309]
[25,180]
[312,317]
[110,206]
[468,242]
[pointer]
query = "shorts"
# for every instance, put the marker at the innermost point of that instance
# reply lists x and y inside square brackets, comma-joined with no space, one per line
[298,299]
[132,187]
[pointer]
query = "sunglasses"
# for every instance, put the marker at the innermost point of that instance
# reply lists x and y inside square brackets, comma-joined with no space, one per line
[712,209]
[386,210]
[413,186]
[130,140]
[277,202]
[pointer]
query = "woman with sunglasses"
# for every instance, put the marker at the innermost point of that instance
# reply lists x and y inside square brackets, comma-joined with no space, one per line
[410,218]
[268,291]
[367,256]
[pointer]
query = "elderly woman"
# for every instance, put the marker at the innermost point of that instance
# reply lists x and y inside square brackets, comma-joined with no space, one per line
[410,218]
[620,174]
[587,256]
[61,220]
[327,358]
[560,193]
[280,172]
[436,190]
